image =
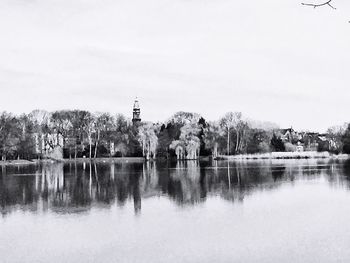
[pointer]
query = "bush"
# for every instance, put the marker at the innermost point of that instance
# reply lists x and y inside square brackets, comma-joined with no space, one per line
[264,147]
[277,144]
[289,147]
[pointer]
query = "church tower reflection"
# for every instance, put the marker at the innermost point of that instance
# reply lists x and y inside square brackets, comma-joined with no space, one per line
[135,184]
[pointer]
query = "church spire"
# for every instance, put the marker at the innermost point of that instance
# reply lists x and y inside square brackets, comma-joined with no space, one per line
[136,112]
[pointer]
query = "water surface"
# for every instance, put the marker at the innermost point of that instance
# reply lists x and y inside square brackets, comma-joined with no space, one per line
[267,211]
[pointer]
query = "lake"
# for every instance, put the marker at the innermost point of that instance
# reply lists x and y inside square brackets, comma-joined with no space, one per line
[253,211]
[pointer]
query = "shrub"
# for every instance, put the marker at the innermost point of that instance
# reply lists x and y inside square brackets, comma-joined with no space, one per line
[264,147]
[289,147]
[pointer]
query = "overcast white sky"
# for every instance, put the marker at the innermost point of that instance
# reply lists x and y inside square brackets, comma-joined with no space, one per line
[273,60]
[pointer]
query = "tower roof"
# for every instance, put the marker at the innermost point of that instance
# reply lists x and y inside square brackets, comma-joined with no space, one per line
[136,104]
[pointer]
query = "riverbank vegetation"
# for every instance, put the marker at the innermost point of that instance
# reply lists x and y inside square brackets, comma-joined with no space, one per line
[75,134]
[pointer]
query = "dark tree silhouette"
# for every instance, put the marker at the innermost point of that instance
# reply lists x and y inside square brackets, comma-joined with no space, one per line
[346,141]
[277,144]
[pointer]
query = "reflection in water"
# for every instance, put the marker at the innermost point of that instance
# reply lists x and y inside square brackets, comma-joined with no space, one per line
[72,188]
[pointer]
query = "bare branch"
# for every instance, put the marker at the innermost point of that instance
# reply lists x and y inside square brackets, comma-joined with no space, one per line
[318,5]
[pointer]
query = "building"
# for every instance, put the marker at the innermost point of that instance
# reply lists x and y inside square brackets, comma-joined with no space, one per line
[310,141]
[302,141]
[136,113]
[289,135]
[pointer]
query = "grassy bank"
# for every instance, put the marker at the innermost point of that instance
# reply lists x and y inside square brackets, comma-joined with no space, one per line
[78,160]
[284,155]
[18,162]
[105,160]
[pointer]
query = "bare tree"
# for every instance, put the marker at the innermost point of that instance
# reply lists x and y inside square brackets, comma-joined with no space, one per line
[228,122]
[179,148]
[189,136]
[103,124]
[212,135]
[10,134]
[148,140]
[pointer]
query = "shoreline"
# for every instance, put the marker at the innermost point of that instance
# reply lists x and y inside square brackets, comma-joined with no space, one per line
[78,160]
[284,155]
[260,156]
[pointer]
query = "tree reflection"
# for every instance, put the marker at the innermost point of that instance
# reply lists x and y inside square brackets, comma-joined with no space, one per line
[77,187]
[278,173]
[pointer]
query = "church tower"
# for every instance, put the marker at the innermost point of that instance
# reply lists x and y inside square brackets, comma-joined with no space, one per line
[136,112]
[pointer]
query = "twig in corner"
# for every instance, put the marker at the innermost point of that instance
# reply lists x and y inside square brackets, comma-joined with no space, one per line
[318,5]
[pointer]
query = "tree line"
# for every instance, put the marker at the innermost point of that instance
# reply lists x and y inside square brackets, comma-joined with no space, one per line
[185,135]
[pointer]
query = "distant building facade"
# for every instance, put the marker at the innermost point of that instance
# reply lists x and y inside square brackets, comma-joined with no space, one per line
[289,135]
[307,141]
[136,112]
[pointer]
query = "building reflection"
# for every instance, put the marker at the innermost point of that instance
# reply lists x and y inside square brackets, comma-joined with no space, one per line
[78,187]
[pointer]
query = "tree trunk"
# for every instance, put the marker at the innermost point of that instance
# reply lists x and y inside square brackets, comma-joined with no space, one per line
[215,150]
[95,154]
[237,141]
[110,148]
[90,146]
[96,144]
[240,145]
[143,148]
[228,141]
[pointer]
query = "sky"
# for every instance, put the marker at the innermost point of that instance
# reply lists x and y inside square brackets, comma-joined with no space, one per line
[272,60]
